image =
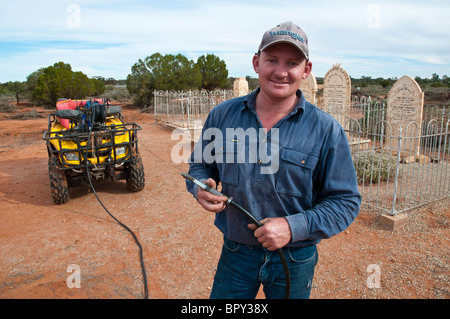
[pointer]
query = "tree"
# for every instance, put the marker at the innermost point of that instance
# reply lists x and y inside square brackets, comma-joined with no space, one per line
[385,83]
[51,82]
[15,87]
[98,86]
[140,83]
[172,72]
[59,81]
[158,72]
[435,78]
[32,79]
[214,72]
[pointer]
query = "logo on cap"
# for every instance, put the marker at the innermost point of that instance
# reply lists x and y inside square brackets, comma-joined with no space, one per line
[293,35]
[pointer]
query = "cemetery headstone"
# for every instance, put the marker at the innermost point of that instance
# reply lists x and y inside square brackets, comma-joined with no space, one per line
[309,89]
[404,111]
[337,90]
[240,87]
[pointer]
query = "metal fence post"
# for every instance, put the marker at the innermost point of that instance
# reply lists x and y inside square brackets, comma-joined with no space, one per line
[188,110]
[397,170]
[154,102]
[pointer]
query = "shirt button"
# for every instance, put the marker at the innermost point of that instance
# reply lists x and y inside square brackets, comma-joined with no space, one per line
[259,162]
[303,162]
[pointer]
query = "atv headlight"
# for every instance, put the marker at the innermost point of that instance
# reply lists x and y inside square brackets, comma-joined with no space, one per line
[121,150]
[71,156]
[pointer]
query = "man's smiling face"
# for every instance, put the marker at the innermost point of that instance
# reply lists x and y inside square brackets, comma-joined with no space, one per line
[281,69]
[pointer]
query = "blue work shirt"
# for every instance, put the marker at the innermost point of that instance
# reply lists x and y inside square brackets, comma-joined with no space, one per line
[301,169]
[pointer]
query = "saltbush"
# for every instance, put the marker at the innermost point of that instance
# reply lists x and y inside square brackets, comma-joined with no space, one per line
[374,167]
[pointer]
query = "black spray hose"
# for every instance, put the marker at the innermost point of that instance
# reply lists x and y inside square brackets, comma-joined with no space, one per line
[141,257]
[252,218]
[279,250]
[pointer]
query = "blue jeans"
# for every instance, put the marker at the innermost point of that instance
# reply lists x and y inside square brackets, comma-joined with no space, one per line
[242,269]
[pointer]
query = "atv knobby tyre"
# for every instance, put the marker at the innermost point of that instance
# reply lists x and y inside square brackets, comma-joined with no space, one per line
[136,177]
[58,183]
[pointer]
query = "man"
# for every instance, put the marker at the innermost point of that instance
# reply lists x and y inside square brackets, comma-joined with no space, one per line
[303,191]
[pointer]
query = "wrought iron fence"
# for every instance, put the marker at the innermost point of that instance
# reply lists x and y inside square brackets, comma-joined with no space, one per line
[187,109]
[397,170]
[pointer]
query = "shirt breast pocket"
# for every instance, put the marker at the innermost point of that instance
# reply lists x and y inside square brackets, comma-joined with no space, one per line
[295,176]
[227,159]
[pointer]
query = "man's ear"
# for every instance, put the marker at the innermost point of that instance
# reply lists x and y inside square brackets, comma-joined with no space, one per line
[308,69]
[255,63]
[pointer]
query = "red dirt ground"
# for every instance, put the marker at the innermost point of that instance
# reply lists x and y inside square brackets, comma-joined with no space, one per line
[40,240]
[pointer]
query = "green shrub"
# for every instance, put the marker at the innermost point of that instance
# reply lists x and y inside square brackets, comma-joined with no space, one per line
[374,167]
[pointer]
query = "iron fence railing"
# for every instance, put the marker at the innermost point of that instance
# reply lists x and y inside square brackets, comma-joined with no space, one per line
[187,109]
[400,170]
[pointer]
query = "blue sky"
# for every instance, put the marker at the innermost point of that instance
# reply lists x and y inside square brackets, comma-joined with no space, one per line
[106,37]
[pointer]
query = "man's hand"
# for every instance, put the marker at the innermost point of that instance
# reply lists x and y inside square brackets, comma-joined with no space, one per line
[274,233]
[209,201]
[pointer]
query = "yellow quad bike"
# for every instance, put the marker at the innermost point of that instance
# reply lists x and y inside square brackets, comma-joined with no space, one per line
[91,138]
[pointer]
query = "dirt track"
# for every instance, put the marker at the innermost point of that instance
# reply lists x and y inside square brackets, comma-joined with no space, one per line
[39,240]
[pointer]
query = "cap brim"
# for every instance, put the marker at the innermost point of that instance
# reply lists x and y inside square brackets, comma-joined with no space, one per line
[284,41]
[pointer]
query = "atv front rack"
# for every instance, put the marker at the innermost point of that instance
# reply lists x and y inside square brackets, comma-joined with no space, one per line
[109,144]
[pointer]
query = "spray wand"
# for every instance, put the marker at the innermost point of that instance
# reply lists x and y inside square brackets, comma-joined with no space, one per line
[252,218]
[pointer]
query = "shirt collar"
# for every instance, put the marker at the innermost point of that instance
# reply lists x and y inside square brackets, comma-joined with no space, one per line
[250,101]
